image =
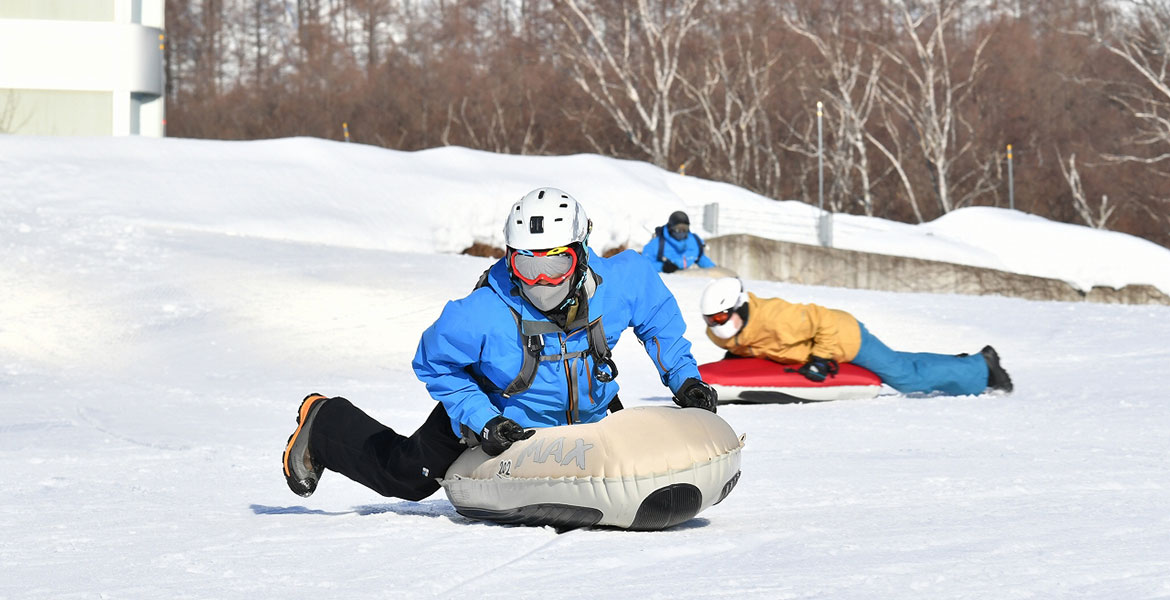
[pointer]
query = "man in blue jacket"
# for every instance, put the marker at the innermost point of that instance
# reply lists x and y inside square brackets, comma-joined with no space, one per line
[529,347]
[674,247]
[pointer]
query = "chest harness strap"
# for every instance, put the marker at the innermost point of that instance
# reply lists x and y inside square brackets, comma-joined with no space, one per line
[532,337]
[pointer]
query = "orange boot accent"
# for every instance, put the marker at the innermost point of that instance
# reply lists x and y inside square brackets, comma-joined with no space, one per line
[302,417]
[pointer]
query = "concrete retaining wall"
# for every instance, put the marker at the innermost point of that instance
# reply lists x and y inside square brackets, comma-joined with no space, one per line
[758,258]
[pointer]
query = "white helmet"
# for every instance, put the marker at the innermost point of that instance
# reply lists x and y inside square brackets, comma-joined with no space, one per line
[722,295]
[546,218]
[724,306]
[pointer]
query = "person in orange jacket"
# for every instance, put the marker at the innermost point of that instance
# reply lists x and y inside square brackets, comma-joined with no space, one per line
[819,338]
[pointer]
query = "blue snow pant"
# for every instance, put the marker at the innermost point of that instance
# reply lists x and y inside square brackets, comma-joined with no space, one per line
[922,371]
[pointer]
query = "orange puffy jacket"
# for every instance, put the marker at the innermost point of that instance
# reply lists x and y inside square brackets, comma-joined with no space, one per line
[789,333]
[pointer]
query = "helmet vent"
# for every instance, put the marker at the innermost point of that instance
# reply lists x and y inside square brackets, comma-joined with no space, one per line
[543,218]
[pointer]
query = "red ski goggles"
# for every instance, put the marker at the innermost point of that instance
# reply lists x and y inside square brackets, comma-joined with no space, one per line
[544,267]
[718,318]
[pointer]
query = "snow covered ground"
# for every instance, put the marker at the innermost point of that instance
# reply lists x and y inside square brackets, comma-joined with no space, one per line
[167,303]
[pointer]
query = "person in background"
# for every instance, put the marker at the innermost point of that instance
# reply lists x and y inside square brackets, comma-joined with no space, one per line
[819,338]
[529,347]
[675,247]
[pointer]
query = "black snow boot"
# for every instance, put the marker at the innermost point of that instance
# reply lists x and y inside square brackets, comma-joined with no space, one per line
[300,471]
[997,377]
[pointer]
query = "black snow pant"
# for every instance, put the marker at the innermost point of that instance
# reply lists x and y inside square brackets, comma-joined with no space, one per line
[347,440]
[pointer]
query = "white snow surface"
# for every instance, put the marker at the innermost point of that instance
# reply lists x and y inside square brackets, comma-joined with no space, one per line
[167,303]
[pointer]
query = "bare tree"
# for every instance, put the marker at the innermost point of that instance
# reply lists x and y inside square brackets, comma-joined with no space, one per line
[891,148]
[731,133]
[373,14]
[1097,218]
[501,123]
[310,30]
[626,57]
[176,52]
[212,48]
[1141,39]
[1139,35]
[930,92]
[699,81]
[848,71]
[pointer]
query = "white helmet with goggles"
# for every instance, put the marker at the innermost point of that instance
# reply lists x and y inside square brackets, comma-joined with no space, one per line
[546,218]
[724,306]
[546,233]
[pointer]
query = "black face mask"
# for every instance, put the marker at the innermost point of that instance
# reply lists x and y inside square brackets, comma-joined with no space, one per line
[680,231]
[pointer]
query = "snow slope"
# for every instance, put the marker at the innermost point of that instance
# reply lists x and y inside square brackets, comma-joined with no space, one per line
[167,303]
[443,199]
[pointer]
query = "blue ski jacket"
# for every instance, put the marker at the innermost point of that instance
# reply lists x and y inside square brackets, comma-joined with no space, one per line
[475,349]
[685,253]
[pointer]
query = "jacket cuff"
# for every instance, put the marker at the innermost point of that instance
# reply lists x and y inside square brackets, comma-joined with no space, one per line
[678,377]
[477,419]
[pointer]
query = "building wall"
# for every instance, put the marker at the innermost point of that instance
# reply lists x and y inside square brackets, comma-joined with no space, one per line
[65,10]
[58,112]
[82,67]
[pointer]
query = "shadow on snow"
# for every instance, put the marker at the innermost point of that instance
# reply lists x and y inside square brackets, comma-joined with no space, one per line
[431,508]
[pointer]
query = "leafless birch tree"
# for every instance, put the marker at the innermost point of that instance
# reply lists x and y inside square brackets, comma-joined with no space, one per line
[929,90]
[849,71]
[891,147]
[1096,217]
[699,81]
[732,131]
[1141,39]
[626,57]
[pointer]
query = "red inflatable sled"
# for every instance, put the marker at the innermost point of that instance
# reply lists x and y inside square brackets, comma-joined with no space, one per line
[761,381]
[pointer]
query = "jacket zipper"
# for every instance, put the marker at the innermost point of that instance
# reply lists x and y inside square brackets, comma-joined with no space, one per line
[658,354]
[571,409]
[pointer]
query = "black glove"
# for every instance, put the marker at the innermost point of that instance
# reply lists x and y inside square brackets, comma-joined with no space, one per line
[668,267]
[694,393]
[817,368]
[500,432]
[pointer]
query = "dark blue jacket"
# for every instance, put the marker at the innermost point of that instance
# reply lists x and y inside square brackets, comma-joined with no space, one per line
[474,350]
[684,253]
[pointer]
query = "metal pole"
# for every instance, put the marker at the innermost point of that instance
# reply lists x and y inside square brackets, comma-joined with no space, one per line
[824,222]
[820,161]
[1011,181]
